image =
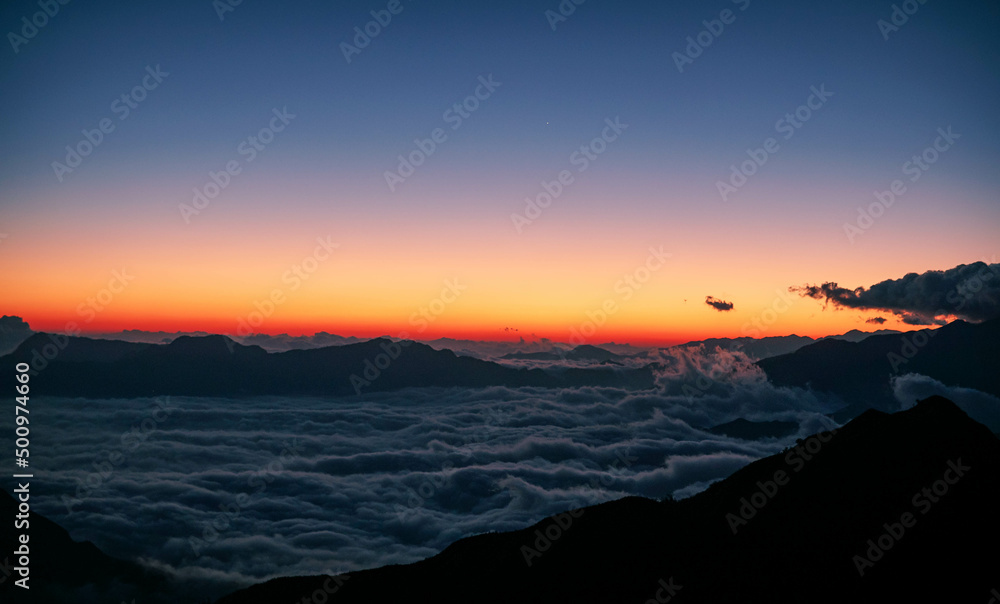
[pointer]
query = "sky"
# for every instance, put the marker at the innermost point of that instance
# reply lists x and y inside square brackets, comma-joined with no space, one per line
[248,175]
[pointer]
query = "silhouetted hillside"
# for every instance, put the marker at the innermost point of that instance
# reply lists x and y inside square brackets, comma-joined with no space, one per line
[755,348]
[63,570]
[856,335]
[218,366]
[792,527]
[584,352]
[750,430]
[958,354]
[772,346]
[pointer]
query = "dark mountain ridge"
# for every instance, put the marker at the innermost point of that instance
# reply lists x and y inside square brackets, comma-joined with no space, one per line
[584,352]
[217,366]
[958,354]
[63,570]
[753,430]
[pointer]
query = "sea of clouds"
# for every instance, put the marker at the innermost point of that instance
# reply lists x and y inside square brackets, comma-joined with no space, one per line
[227,492]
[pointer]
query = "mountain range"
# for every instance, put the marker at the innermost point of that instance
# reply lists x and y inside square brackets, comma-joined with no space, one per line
[958,354]
[218,366]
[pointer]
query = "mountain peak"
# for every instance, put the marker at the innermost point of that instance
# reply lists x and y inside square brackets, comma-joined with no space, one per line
[214,345]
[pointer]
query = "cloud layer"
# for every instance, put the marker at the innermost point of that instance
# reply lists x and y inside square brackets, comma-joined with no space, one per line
[228,492]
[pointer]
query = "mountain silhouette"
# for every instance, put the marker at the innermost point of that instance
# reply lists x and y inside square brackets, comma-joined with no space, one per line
[772,346]
[856,335]
[958,354]
[756,348]
[841,517]
[751,430]
[218,366]
[584,352]
[61,569]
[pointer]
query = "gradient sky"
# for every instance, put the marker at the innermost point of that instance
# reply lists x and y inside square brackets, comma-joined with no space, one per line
[323,175]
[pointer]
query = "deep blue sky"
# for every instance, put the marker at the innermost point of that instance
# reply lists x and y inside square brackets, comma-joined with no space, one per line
[608,59]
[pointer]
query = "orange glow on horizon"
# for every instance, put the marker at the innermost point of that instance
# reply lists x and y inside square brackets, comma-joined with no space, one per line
[583,332]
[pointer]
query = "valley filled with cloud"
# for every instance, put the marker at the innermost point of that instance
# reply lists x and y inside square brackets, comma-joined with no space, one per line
[226,492]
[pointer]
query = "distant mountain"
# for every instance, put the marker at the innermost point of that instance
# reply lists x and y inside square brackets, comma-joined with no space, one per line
[218,366]
[750,430]
[270,343]
[772,346]
[958,354]
[63,570]
[889,508]
[756,348]
[856,335]
[584,352]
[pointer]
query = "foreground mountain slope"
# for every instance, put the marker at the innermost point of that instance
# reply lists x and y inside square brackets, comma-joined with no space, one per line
[63,570]
[217,366]
[798,544]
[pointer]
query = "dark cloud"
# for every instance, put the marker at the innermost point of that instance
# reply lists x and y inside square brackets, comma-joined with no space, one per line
[914,319]
[968,291]
[719,305]
[876,320]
